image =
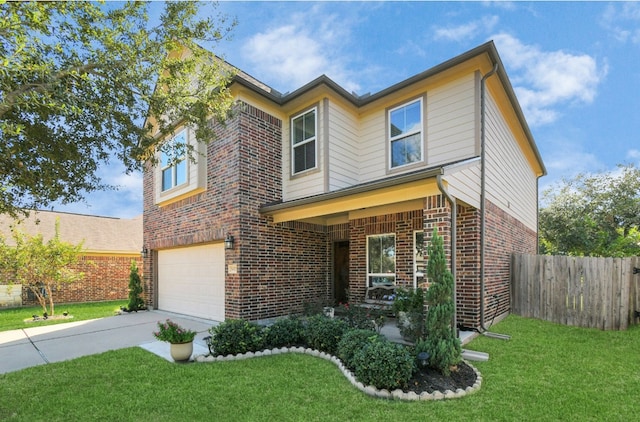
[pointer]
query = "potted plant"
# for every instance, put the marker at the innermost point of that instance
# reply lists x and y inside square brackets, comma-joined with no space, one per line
[180,339]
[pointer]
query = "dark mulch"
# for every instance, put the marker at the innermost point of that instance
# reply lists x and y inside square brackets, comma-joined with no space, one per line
[429,380]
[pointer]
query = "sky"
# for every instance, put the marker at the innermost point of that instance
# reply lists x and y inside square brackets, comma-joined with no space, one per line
[574,67]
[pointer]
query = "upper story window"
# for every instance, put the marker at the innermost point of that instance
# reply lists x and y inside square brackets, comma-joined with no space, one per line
[303,141]
[381,260]
[173,163]
[405,134]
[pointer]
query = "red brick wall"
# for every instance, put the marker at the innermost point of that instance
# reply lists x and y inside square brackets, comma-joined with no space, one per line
[280,266]
[504,236]
[105,278]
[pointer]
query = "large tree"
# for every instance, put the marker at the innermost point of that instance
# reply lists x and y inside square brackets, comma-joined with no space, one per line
[593,215]
[78,79]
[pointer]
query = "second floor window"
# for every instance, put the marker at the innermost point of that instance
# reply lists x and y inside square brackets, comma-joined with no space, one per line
[173,163]
[303,141]
[405,134]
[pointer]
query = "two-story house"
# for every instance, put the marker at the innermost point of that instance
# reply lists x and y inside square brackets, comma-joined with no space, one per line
[308,195]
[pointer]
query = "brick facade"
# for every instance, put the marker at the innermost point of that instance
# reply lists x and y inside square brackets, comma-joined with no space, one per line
[106,277]
[279,266]
[282,266]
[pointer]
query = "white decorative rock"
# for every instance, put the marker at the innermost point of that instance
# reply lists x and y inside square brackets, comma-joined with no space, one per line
[384,394]
[370,390]
[267,353]
[276,352]
[411,395]
[398,394]
[426,396]
[437,395]
[284,349]
[448,394]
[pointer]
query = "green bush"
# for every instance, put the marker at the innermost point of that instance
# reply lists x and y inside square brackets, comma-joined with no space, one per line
[356,317]
[324,334]
[235,336]
[384,364]
[442,342]
[285,332]
[352,342]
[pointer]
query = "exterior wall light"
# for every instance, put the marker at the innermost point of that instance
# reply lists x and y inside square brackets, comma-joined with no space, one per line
[144,252]
[228,242]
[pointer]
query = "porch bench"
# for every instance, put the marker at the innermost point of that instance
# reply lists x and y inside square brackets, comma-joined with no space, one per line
[379,296]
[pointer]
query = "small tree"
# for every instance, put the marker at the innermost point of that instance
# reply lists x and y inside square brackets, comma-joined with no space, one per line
[40,266]
[441,342]
[135,289]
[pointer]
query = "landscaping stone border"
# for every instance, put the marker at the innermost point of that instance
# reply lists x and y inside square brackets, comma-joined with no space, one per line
[372,391]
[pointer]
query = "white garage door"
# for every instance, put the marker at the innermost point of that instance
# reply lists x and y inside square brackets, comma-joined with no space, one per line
[191,281]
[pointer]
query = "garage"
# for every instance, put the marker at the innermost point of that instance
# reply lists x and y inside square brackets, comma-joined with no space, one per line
[191,281]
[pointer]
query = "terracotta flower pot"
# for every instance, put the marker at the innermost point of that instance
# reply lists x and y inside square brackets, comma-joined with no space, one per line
[181,352]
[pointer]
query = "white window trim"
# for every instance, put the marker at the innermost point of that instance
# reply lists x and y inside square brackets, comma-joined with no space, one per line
[418,275]
[390,138]
[395,263]
[306,141]
[196,172]
[174,166]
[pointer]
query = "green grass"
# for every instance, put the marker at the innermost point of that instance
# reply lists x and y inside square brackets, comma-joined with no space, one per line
[545,372]
[13,319]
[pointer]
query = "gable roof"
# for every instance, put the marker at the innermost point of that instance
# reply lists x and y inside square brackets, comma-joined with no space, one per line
[489,49]
[104,235]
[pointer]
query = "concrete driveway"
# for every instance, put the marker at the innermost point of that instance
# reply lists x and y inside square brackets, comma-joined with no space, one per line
[35,345]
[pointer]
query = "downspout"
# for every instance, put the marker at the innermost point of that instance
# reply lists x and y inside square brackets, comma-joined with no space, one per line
[454,212]
[484,330]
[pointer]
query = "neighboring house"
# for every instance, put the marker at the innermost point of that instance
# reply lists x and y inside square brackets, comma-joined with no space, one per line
[110,244]
[324,192]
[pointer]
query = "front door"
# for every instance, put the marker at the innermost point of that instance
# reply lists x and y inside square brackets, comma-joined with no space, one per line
[340,271]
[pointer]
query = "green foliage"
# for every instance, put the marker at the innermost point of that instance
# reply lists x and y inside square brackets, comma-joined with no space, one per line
[593,215]
[352,342]
[135,289]
[358,317]
[409,304]
[285,332]
[383,364]
[407,300]
[441,342]
[324,334]
[235,336]
[78,80]
[172,332]
[40,266]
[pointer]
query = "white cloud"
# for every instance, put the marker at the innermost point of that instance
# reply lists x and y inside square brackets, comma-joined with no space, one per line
[633,154]
[466,31]
[623,21]
[295,53]
[545,80]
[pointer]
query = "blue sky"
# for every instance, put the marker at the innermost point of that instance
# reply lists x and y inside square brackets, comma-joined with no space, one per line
[574,67]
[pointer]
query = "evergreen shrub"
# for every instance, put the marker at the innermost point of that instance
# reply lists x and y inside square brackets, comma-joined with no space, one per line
[235,336]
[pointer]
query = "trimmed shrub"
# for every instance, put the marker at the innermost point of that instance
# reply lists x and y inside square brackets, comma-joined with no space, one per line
[356,317]
[352,342]
[285,332]
[441,342]
[384,364]
[235,336]
[324,334]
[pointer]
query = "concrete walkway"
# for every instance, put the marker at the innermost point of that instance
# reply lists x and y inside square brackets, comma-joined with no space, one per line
[35,345]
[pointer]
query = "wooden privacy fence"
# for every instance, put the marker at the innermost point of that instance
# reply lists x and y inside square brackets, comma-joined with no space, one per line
[586,292]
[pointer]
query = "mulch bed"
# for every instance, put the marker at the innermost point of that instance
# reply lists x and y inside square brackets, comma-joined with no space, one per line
[429,380]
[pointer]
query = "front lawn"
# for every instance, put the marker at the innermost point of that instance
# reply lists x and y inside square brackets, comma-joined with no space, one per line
[545,372]
[13,319]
